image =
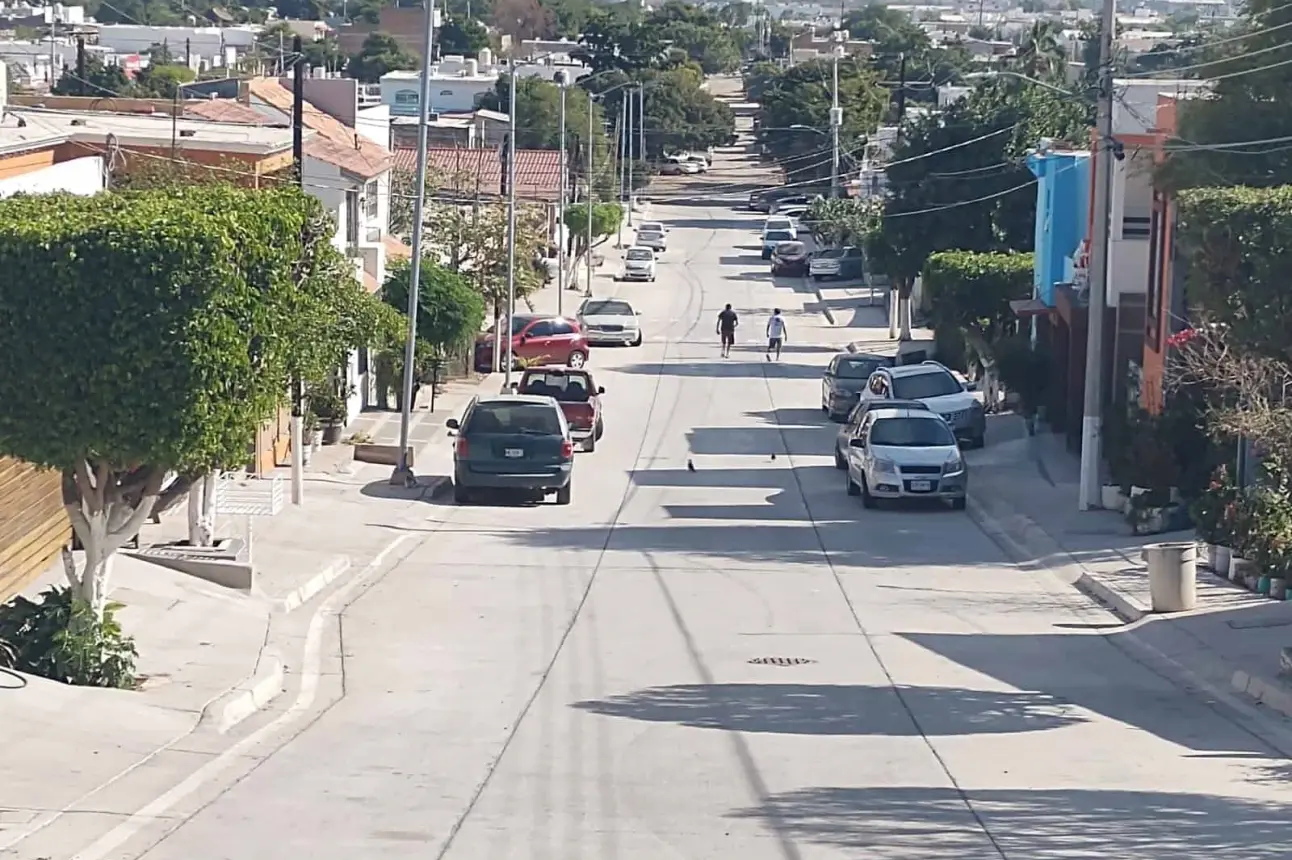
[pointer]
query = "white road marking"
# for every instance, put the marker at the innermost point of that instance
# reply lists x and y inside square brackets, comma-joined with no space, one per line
[126,830]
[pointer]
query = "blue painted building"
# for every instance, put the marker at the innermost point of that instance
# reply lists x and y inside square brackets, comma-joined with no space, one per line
[1062,217]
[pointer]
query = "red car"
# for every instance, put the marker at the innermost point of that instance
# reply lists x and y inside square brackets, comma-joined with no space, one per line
[577,394]
[537,338]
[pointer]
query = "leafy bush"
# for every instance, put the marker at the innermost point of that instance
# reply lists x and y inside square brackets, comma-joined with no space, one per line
[1023,369]
[1208,509]
[59,637]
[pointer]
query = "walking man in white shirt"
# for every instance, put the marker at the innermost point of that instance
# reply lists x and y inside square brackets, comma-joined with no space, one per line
[775,334]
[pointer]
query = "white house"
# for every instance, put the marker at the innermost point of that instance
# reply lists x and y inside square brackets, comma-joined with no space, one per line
[458,83]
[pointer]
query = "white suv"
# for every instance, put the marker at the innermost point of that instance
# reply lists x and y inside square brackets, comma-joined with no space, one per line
[936,387]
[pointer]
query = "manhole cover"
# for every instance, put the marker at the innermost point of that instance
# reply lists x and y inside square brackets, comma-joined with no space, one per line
[780,661]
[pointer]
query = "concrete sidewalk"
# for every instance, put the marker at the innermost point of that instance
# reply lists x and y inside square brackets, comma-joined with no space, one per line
[1024,494]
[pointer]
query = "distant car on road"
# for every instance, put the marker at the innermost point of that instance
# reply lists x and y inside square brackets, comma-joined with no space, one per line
[639,264]
[653,239]
[576,393]
[906,454]
[780,222]
[772,238]
[551,340]
[848,262]
[610,321]
[790,258]
[795,201]
[844,378]
[512,442]
[678,165]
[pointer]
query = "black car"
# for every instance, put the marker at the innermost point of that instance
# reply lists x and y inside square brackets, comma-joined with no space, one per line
[790,258]
[515,442]
[852,426]
[845,376]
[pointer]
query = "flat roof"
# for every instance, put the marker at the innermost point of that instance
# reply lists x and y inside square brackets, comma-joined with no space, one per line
[143,130]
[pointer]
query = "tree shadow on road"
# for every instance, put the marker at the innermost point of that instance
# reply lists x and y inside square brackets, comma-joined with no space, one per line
[837,709]
[752,367]
[1038,824]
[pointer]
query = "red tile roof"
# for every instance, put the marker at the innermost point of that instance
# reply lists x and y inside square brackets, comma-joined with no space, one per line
[225,110]
[336,143]
[538,171]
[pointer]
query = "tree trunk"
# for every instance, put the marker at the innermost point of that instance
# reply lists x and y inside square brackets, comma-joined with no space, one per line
[904,308]
[201,510]
[107,508]
[893,303]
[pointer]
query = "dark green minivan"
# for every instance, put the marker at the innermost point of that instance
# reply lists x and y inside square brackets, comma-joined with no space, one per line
[512,442]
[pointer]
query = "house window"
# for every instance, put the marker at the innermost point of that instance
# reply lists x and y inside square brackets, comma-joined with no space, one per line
[1153,293]
[448,93]
[370,199]
[406,97]
[352,217]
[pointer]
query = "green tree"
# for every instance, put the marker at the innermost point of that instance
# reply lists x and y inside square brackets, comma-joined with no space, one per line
[970,293]
[759,78]
[250,279]
[450,311]
[606,218]
[325,53]
[379,54]
[538,113]
[680,115]
[464,36]
[100,80]
[302,10]
[162,81]
[794,114]
[1041,54]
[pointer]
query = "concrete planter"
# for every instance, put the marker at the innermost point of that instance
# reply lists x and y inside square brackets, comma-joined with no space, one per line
[1218,559]
[1111,498]
[1278,588]
[1238,569]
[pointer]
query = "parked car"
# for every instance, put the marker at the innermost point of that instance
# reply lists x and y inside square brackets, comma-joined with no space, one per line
[575,392]
[847,262]
[677,165]
[796,200]
[780,222]
[762,200]
[610,321]
[772,238]
[851,428]
[653,239]
[790,258]
[936,387]
[512,442]
[551,340]
[652,226]
[845,376]
[639,264]
[700,161]
[904,454]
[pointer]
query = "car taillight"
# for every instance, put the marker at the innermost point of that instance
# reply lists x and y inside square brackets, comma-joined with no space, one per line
[462,447]
[567,449]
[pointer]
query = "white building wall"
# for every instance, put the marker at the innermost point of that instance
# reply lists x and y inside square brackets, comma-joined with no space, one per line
[203,41]
[83,176]
[374,124]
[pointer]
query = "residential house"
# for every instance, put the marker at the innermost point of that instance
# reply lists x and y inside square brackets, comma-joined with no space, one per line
[349,173]
[480,173]
[459,83]
[478,128]
[808,45]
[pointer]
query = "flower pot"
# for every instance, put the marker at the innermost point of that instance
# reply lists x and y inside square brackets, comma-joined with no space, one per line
[1111,498]
[316,438]
[332,432]
[1238,568]
[1251,581]
[1218,559]
[307,454]
[1278,588]
[1263,584]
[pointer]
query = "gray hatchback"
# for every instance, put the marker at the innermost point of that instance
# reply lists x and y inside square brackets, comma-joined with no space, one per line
[512,442]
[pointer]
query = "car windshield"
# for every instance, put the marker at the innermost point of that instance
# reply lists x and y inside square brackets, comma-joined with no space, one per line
[780,236]
[856,368]
[514,417]
[640,254]
[568,386]
[922,385]
[790,248]
[607,308]
[830,254]
[911,433]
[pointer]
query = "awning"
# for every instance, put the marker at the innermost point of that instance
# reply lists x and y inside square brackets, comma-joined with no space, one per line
[1025,308]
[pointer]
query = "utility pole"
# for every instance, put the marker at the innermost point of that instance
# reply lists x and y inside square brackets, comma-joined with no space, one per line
[1092,410]
[587,198]
[901,92]
[562,81]
[403,473]
[298,389]
[836,117]
[622,134]
[628,151]
[641,121]
[511,224]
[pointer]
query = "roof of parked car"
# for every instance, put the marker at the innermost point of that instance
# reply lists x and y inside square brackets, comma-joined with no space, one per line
[535,399]
[917,369]
[904,412]
[895,403]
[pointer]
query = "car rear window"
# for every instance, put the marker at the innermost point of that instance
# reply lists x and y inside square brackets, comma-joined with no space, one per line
[911,433]
[608,308]
[780,236]
[856,368]
[515,417]
[640,254]
[921,385]
[567,386]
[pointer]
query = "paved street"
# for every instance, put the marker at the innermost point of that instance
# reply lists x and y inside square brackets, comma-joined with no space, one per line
[582,682]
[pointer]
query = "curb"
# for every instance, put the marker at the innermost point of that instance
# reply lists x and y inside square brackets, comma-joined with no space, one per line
[262,687]
[1270,694]
[312,586]
[820,297]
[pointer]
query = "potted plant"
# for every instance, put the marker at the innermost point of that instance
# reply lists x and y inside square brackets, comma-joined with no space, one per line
[1152,473]
[1208,514]
[313,432]
[329,408]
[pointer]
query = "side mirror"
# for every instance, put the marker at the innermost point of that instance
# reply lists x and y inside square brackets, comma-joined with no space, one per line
[857,443]
[452,424]
[601,389]
[639,313]
[515,386]
[524,337]
[971,386]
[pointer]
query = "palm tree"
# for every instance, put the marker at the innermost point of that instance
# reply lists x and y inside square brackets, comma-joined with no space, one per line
[1041,54]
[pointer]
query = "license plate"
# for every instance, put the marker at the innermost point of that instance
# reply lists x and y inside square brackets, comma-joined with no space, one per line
[520,452]
[921,486]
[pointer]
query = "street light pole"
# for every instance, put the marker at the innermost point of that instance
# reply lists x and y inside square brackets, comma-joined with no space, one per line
[1092,409]
[562,81]
[587,198]
[628,151]
[403,473]
[511,225]
[836,121]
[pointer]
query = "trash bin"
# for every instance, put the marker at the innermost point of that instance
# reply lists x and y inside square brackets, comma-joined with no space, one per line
[1172,575]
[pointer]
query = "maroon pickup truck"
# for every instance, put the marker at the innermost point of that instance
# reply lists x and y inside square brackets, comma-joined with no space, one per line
[578,395]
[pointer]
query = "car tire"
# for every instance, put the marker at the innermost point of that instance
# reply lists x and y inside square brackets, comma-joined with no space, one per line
[638,341]
[461,495]
[599,430]
[839,461]
[563,495]
[838,417]
[850,484]
[958,504]
[867,500]
[578,358]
